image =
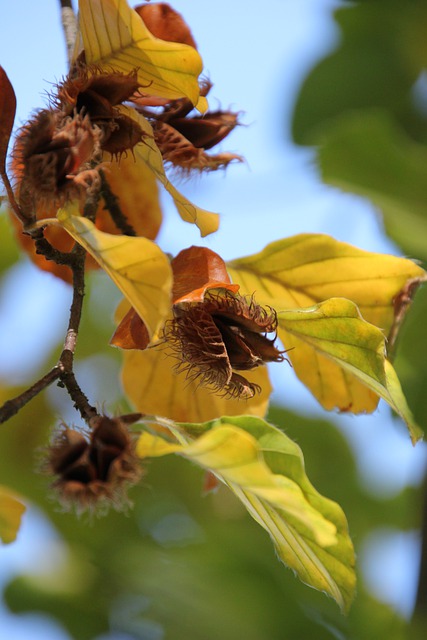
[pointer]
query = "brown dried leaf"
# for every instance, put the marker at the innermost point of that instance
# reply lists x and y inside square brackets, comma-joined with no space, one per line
[7,116]
[131,332]
[197,269]
[165,23]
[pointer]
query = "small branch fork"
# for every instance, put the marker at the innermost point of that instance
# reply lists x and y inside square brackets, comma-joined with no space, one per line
[63,370]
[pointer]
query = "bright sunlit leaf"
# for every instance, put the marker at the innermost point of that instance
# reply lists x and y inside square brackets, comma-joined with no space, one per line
[265,470]
[11,510]
[307,269]
[137,266]
[115,37]
[335,329]
[153,387]
[149,153]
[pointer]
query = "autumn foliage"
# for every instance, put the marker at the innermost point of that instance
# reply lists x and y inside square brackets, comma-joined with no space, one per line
[197,333]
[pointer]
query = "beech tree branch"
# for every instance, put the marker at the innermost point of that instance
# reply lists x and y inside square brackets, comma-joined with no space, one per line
[69,26]
[63,371]
[12,406]
[17,210]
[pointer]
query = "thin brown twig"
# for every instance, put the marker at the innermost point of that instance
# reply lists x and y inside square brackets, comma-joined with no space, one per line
[63,371]
[12,406]
[20,214]
[68,378]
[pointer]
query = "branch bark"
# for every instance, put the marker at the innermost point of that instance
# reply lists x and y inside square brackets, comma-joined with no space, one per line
[63,371]
[12,406]
[69,26]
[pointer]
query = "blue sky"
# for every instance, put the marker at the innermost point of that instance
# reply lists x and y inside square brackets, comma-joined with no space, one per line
[256,55]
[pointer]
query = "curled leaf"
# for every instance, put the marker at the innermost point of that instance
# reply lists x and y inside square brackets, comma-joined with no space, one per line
[196,270]
[149,153]
[165,23]
[335,329]
[265,469]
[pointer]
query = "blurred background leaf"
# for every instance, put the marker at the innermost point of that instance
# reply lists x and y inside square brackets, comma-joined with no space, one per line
[364,107]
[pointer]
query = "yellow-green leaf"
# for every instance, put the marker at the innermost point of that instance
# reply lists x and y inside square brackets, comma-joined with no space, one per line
[393,394]
[306,269]
[265,469]
[138,267]
[11,510]
[149,153]
[336,329]
[115,37]
[154,387]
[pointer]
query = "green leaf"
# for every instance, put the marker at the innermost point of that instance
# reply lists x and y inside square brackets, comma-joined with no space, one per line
[136,265]
[11,510]
[265,470]
[115,37]
[336,330]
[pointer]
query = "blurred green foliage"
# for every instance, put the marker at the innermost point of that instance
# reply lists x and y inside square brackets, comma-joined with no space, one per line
[364,106]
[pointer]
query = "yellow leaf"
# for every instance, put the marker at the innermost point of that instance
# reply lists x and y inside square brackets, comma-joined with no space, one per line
[310,268]
[265,469]
[153,387]
[149,153]
[11,510]
[136,188]
[136,265]
[115,37]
